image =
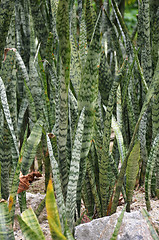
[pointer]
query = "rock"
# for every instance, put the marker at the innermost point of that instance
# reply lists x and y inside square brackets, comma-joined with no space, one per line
[133,227]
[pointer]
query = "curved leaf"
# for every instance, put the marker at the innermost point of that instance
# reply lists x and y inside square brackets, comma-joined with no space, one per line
[29,226]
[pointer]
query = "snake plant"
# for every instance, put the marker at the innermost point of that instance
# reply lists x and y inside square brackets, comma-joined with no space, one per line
[71,75]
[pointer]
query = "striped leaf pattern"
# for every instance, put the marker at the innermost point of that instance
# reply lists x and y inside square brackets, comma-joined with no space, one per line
[149,170]
[57,182]
[74,172]
[31,148]
[6,231]
[30,226]
[131,173]
[104,179]
[65,53]
[6,110]
[6,10]
[89,21]
[144,108]
[87,98]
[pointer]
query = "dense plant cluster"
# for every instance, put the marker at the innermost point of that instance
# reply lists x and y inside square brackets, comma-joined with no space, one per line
[71,74]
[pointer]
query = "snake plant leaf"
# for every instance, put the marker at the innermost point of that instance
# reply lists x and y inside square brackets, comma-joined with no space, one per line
[105,171]
[68,233]
[35,89]
[75,69]
[6,10]
[114,39]
[93,180]
[154,32]
[89,21]
[118,225]
[83,42]
[51,206]
[22,111]
[6,230]
[31,228]
[32,110]
[54,6]
[55,85]
[147,217]
[146,61]
[6,110]
[131,173]
[15,180]
[87,194]
[8,73]
[46,103]
[62,24]
[119,137]
[63,30]
[149,170]
[52,214]
[25,76]
[29,217]
[62,133]
[87,98]
[31,146]
[74,172]
[143,110]
[57,182]
[74,110]
[130,47]
[5,159]
[155,128]
[105,78]
[41,28]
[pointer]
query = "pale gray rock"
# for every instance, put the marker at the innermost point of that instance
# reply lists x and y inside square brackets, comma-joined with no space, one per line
[134,227]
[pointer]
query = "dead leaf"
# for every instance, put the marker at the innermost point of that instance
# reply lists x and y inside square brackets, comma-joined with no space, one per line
[25,180]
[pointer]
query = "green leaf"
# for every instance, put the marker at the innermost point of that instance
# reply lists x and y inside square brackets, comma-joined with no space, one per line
[6,231]
[31,146]
[63,31]
[143,110]
[105,172]
[131,173]
[29,217]
[7,114]
[6,10]
[74,172]
[30,232]
[15,181]
[148,220]
[57,182]
[87,98]
[149,170]
[118,225]
[119,138]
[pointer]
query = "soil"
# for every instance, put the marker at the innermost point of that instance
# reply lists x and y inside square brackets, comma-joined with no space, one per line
[36,193]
